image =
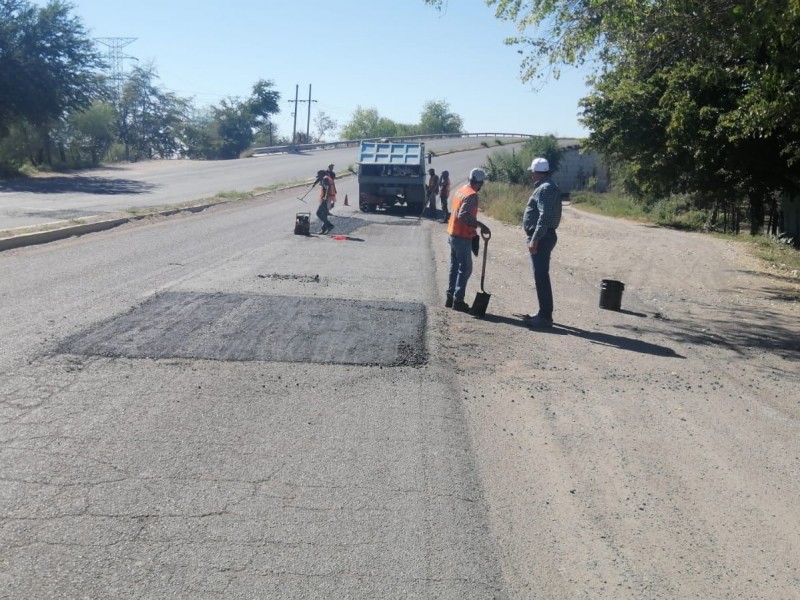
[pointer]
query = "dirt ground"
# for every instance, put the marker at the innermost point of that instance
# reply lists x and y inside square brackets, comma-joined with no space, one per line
[652,452]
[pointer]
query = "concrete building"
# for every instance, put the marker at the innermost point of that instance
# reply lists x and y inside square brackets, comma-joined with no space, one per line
[789,222]
[580,171]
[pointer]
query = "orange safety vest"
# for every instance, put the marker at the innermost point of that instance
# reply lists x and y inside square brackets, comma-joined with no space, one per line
[456,227]
[331,190]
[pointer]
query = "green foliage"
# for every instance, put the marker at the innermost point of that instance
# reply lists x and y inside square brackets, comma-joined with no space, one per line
[512,167]
[437,118]
[678,212]
[149,120]
[610,203]
[688,97]
[263,103]
[505,202]
[48,69]
[507,167]
[47,63]
[92,133]
[324,124]
[781,257]
[367,123]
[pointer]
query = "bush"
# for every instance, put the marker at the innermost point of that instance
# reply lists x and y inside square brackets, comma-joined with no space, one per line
[505,202]
[610,203]
[678,212]
[507,167]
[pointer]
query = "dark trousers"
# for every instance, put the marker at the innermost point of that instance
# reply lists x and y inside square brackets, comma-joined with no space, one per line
[541,273]
[322,214]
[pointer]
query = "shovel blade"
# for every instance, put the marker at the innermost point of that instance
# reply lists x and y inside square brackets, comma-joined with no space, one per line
[480,304]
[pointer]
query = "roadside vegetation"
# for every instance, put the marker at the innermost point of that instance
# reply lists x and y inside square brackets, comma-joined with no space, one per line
[505,196]
[693,104]
[61,106]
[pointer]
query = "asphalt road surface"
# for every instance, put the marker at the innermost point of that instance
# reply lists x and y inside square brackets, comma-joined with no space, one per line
[41,200]
[209,406]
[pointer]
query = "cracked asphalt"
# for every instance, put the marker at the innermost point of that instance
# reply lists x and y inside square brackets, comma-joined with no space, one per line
[160,468]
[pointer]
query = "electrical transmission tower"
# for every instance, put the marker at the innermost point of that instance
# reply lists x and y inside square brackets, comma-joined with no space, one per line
[115,58]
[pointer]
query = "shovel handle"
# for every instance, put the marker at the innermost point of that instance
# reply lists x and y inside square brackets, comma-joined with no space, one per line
[485,249]
[486,234]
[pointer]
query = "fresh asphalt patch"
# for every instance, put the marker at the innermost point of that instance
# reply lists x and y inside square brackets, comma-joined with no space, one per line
[253,327]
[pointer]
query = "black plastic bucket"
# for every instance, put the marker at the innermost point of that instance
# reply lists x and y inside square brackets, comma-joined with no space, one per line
[611,294]
[302,224]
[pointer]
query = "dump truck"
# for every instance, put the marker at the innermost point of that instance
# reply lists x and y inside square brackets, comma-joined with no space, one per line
[391,174]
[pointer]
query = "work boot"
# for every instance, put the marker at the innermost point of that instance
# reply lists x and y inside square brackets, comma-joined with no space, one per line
[538,322]
[448,302]
[460,305]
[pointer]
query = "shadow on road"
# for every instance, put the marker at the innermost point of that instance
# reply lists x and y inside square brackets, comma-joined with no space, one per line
[64,184]
[739,329]
[618,341]
[606,339]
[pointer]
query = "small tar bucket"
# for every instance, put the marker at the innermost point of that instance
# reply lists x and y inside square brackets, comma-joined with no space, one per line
[302,224]
[611,294]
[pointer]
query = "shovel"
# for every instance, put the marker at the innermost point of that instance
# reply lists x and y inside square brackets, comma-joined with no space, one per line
[482,298]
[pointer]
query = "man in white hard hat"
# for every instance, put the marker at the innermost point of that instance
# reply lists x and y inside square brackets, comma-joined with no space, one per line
[540,221]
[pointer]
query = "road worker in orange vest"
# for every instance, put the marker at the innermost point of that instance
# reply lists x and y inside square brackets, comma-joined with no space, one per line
[462,227]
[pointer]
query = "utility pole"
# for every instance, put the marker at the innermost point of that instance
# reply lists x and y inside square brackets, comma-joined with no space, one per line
[294,127]
[308,122]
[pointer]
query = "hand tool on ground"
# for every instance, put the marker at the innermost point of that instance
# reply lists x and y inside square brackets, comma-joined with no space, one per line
[482,298]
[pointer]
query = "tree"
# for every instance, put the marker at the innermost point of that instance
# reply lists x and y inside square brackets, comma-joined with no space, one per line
[263,103]
[367,123]
[697,97]
[91,133]
[48,67]
[232,128]
[324,124]
[437,118]
[150,121]
[705,107]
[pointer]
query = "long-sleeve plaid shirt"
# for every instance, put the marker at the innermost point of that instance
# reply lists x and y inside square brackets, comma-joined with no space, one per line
[543,210]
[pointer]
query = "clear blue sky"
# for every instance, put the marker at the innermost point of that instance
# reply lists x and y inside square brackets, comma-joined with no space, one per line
[391,55]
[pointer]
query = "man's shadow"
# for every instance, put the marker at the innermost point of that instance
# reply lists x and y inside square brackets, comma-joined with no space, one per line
[604,339]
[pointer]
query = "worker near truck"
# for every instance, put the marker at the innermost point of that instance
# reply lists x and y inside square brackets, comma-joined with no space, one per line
[327,196]
[461,228]
[444,194]
[432,189]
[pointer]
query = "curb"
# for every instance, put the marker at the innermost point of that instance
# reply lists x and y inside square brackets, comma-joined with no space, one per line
[61,233]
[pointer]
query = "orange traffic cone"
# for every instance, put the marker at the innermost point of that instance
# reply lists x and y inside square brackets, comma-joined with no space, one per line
[346,203]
